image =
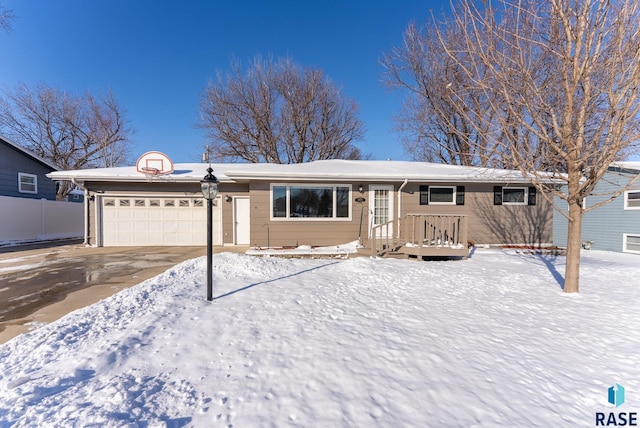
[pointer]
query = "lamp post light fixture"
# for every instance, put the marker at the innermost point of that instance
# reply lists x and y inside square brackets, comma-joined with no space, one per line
[209,186]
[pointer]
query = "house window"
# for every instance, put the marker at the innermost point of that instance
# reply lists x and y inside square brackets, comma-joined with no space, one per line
[139,203]
[631,243]
[328,202]
[27,183]
[442,195]
[514,195]
[154,202]
[632,200]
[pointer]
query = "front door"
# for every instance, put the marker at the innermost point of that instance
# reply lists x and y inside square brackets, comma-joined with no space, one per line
[241,220]
[381,206]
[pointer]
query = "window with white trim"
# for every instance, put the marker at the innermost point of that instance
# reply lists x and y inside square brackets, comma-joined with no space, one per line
[310,202]
[632,200]
[27,183]
[442,195]
[631,243]
[514,196]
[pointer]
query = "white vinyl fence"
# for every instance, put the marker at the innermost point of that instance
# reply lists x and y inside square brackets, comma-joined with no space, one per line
[23,219]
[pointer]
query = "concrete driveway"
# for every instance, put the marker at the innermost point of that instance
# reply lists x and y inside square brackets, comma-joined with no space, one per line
[42,285]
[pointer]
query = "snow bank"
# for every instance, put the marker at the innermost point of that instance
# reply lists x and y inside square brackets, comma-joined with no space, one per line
[484,342]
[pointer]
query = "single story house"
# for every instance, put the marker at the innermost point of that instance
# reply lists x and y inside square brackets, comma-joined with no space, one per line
[616,225]
[321,203]
[23,173]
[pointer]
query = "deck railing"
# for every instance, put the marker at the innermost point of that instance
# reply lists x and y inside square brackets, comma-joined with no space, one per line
[435,230]
[422,235]
[382,239]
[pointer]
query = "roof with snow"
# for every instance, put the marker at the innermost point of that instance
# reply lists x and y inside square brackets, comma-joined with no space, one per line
[322,170]
[630,165]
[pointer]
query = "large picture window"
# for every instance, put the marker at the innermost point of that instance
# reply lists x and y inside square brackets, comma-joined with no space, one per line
[325,202]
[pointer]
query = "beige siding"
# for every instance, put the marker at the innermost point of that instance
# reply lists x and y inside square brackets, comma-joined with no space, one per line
[265,231]
[92,232]
[489,223]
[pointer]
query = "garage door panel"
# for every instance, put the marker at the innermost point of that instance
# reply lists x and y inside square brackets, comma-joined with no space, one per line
[157,221]
[155,214]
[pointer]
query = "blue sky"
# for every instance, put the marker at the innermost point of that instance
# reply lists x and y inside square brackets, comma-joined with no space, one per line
[157,56]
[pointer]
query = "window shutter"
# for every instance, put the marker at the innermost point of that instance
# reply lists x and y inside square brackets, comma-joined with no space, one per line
[460,195]
[532,196]
[497,195]
[424,195]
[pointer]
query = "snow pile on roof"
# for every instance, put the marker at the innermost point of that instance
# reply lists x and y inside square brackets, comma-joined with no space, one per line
[323,170]
[634,165]
[491,341]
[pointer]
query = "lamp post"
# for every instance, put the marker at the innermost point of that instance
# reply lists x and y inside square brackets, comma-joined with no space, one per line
[209,185]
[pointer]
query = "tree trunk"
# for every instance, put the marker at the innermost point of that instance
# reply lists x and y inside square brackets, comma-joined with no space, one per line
[574,244]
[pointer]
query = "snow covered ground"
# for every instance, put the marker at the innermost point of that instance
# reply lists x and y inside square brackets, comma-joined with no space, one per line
[490,341]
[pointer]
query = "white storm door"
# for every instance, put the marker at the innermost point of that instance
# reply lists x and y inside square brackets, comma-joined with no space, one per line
[381,206]
[241,220]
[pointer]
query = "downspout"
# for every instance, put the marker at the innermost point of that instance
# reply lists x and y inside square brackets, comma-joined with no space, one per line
[406,181]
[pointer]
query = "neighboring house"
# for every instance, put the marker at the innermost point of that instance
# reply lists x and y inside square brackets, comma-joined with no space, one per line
[23,174]
[28,207]
[614,226]
[320,203]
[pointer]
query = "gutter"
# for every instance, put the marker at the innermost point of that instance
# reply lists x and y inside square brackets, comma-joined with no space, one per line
[404,183]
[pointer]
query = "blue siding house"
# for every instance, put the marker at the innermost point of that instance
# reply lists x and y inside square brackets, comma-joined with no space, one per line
[614,226]
[23,174]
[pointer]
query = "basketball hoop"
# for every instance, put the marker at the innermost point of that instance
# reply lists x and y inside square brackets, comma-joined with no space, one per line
[150,172]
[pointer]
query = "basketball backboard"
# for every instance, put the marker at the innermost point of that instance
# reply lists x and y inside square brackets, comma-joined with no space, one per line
[154,163]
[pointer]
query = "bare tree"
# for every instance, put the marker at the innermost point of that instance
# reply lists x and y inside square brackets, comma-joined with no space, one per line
[6,17]
[279,112]
[72,132]
[562,80]
[438,127]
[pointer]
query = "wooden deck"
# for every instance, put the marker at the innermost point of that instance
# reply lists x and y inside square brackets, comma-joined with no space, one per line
[422,236]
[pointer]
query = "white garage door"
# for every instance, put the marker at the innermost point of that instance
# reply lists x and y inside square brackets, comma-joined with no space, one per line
[158,221]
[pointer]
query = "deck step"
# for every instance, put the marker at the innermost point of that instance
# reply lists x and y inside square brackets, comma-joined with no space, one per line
[395,255]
